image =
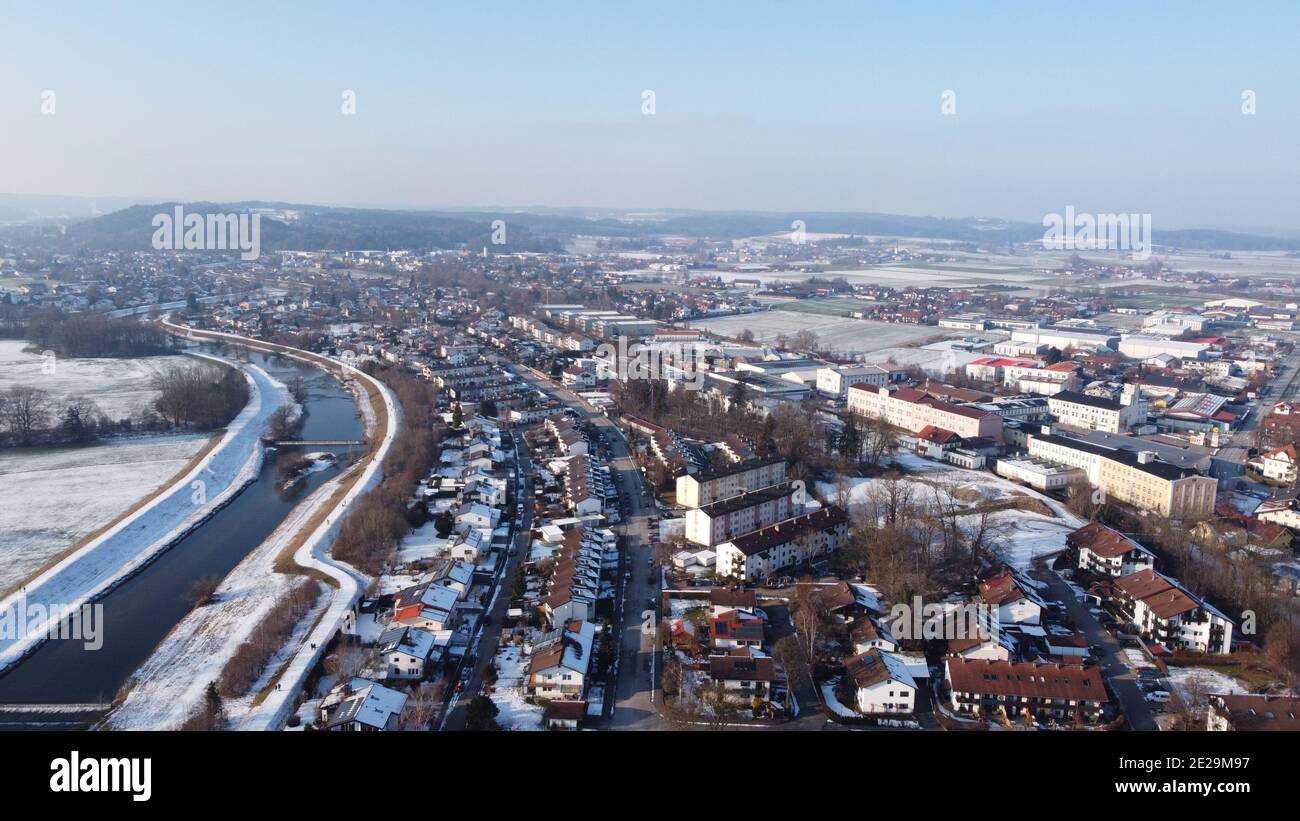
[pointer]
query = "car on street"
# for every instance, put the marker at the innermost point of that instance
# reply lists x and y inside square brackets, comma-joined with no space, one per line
[1158,697]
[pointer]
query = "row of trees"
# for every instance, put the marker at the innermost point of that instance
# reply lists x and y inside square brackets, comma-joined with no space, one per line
[94,335]
[377,524]
[1236,579]
[203,396]
[250,659]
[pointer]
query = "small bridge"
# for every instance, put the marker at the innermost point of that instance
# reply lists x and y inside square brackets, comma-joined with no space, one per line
[300,443]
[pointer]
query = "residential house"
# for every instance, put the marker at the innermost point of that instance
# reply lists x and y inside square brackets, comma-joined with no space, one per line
[1010,690]
[882,683]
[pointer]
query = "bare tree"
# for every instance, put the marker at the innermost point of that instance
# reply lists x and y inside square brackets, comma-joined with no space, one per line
[788,653]
[879,443]
[718,707]
[809,618]
[25,410]
[422,705]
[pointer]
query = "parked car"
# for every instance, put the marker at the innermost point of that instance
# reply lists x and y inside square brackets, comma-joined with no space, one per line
[1158,697]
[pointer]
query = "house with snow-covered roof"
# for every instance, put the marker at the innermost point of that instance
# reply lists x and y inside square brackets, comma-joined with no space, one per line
[882,683]
[362,706]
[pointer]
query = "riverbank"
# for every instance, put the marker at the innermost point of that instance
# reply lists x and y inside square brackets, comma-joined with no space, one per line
[110,479]
[171,683]
[138,537]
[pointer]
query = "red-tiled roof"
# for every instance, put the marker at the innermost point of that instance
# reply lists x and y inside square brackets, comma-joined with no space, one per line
[1029,679]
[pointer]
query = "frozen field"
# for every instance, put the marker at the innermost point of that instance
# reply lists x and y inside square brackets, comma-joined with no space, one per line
[67,493]
[119,386]
[838,334]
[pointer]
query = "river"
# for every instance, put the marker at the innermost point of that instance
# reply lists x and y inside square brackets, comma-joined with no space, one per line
[141,611]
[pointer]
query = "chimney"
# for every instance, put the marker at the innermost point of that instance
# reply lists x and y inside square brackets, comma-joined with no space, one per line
[1146,457]
[1047,430]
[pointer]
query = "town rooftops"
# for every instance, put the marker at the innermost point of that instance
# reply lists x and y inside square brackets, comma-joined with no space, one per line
[1026,679]
[741,665]
[1164,596]
[874,666]
[1103,541]
[1076,398]
[1155,467]
[737,625]
[1001,589]
[782,532]
[940,436]
[371,705]
[709,474]
[1256,712]
[747,499]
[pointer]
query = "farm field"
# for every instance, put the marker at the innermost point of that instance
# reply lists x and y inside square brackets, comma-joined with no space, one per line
[120,387]
[67,493]
[840,335]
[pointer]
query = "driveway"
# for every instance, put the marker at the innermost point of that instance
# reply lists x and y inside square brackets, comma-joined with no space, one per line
[1114,664]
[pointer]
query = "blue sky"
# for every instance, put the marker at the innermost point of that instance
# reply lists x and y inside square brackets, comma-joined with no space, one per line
[811,107]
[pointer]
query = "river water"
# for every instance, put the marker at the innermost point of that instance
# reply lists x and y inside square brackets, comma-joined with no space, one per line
[141,611]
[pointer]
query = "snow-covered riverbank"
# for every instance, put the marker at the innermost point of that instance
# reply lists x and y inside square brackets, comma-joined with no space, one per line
[130,544]
[170,684]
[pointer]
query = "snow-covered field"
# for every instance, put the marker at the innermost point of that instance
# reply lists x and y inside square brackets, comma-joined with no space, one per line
[1027,534]
[68,493]
[839,334]
[112,556]
[120,387]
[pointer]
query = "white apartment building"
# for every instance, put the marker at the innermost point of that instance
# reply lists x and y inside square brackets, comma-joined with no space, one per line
[1040,475]
[708,486]
[716,523]
[1171,615]
[1108,552]
[914,410]
[763,553]
[1137,478]
[1277,465]
[1095,413]
[834,382]
[882,683]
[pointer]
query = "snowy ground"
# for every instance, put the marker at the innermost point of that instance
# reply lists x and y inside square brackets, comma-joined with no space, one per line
[1184,680]
[120,387]
[508,693]
[833,702]
[1028,535]
[99,482]
[106,560]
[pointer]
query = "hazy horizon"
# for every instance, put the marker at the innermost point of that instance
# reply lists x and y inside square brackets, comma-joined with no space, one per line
[839,109]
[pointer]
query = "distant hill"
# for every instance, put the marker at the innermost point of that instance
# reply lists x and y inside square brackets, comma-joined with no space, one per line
[315,229]
[322,228]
